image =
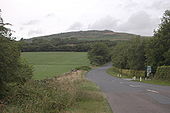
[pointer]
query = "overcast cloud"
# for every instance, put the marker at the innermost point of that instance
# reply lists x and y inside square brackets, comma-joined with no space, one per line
[42,17]
[76,26]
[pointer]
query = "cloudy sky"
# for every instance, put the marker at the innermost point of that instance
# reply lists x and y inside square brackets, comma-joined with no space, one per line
[42,17]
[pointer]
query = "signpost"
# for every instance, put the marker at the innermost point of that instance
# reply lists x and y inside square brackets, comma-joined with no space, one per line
[149,70]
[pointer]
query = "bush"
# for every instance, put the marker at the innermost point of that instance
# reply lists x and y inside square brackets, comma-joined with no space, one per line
[163,73]
[45,96]
[129,73]
[99,54]
[85,68]
[12,69]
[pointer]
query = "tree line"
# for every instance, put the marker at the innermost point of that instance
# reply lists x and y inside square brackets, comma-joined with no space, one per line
[139,52]
[60,44]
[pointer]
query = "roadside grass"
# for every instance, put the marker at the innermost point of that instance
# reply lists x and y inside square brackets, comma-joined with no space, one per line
[49,64]
[70,93]
[91,100]
[151,81]
[111,72]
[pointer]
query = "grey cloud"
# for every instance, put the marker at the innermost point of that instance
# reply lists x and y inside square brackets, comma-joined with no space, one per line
[76,26]
[35,32]
[107,22]
[140,23]
[32,22]
[161,5]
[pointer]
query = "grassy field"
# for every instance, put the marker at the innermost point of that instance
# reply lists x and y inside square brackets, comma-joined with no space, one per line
[49,64]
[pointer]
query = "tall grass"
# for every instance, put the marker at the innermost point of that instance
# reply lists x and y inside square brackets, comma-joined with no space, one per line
[67,93]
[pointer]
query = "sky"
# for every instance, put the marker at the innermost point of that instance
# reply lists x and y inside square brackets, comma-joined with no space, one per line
[30,18]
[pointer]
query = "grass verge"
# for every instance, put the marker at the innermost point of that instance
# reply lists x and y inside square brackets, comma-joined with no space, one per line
[110,71]
[152,81]
[69,93]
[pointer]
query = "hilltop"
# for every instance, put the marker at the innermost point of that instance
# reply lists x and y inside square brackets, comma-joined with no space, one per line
[80,41]
[90,35]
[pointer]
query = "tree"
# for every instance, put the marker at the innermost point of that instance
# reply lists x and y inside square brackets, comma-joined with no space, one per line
[136,54]
[158,48]
[119,55]
[12,70]
[99,54]
[5,32]
[129,54]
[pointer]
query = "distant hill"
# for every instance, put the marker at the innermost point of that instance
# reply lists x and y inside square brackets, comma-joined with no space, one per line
[80,41]
[90,35]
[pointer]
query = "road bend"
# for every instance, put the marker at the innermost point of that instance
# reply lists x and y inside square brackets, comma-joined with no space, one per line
[125,96]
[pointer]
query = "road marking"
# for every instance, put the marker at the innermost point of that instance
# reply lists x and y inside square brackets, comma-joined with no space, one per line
[134,85]
[127,79]
[153,91]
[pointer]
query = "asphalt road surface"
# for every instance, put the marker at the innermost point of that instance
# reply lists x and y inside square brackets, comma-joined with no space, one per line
[125,96]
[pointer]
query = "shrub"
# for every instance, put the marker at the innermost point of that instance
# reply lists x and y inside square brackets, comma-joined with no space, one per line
[12,69]
[129,73]
[42,97]
[163,73]
[99,54]
[85,68]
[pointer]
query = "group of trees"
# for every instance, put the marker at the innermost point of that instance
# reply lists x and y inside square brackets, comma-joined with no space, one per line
[13,71]
[158,48]
[99,54]
[139,52]
[130,55]
[59,44]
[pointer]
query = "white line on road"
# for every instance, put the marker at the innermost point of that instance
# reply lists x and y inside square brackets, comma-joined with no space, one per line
[153,91]
[134,85]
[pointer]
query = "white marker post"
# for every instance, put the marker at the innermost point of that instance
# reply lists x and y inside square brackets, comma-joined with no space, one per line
[140,79]
[134,78]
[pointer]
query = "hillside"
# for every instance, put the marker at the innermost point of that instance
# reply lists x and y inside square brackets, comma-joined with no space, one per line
[90,35]
[80,41]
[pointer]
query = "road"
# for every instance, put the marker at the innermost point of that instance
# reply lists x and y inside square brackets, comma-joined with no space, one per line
[125,96]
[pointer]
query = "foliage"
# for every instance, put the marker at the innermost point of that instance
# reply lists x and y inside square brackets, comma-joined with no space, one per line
[158,49]
[129,55]
[126,73]
[163,73]
[12,70]
[4,32]
[119,55]
[136,54]
[42,97]
[69,92]
[58,44]
[85,68]
[99,54]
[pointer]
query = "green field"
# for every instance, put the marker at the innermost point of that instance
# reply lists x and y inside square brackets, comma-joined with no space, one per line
[48,64]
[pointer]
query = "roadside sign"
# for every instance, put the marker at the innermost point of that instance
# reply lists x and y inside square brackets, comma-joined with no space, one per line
[149,70]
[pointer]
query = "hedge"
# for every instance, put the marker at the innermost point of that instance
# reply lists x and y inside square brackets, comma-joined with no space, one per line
[129,73]
[163,73]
